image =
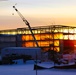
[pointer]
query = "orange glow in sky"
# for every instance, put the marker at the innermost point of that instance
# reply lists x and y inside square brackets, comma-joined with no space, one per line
[38,13]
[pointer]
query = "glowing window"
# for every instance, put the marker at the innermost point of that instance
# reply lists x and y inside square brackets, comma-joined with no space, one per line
[65,31]
[71,30]
[71,37]
[56,43]
[65,37]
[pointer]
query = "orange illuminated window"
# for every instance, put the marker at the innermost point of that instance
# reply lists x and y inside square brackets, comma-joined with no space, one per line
[37,37]
[61,36]
[57,49]
[58,36]
[44,43]
[56,43]
[28,44]
[30,37]
[27,37]
[45,36]
[23,38]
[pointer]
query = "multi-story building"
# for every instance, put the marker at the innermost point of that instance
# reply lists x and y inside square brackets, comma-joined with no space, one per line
[54,37]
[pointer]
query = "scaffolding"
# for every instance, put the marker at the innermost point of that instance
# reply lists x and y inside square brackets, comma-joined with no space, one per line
[54,37]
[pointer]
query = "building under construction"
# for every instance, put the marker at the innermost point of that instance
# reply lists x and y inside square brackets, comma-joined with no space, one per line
[54,37]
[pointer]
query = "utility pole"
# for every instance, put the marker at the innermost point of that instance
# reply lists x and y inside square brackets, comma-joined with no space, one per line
[52,31]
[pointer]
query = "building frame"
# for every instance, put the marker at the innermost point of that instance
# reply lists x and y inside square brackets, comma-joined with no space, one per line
[60,38]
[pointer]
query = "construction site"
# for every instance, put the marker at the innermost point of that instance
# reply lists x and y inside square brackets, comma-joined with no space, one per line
[48,42]
[59,38]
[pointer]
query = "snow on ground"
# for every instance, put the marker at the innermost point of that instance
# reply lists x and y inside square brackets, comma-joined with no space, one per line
[28,69]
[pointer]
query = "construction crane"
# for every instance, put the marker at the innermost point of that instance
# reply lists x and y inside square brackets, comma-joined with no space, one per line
[27,23]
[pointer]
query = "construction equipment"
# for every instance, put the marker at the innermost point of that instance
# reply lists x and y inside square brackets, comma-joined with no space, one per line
[27,23]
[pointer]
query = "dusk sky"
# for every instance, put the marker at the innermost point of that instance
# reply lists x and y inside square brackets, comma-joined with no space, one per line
[37,12]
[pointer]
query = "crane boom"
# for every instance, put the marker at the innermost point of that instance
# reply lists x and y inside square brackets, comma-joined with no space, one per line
[27,23]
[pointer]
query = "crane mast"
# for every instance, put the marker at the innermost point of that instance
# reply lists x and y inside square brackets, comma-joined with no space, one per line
[27,23]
